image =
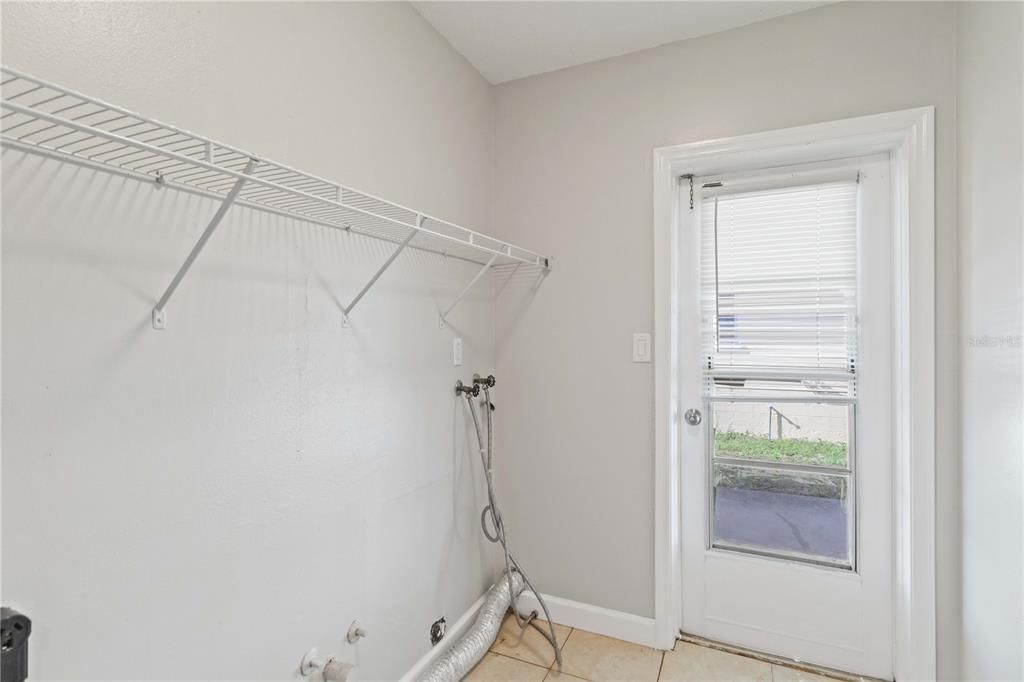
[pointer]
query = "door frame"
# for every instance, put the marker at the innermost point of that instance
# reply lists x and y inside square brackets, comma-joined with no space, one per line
[909,137]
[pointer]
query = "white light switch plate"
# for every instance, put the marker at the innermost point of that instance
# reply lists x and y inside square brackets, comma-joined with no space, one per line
[457,352]
[641,347]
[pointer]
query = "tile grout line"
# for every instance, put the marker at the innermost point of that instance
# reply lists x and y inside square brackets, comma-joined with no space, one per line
[561,647]
[513,658]
[549,668]
[699,642]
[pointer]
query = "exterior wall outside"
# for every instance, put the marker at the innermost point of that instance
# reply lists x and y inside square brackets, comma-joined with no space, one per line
[806,421]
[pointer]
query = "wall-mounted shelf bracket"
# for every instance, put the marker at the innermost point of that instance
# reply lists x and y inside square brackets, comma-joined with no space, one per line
[159,312]
[347,310]
[443,320]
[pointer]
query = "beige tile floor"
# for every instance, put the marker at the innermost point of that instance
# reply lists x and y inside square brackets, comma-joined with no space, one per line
[526,656]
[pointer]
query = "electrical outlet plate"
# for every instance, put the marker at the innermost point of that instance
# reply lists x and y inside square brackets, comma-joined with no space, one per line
[457,352]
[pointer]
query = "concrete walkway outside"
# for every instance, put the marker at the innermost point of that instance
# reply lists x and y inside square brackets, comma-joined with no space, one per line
[781,521]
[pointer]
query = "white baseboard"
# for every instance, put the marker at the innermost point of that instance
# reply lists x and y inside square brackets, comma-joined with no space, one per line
[617,624]
[452,634]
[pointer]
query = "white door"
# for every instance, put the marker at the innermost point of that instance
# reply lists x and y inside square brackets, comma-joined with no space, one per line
[786,323]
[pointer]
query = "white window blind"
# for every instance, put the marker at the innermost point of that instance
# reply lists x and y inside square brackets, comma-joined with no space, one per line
[779,286]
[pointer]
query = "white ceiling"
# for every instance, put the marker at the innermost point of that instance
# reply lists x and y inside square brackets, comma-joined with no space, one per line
[509,40]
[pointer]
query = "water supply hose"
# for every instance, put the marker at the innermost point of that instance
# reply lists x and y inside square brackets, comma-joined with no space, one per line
[499,535]
[456,662]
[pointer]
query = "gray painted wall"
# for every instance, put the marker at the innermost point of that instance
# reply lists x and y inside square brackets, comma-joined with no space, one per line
[574,180]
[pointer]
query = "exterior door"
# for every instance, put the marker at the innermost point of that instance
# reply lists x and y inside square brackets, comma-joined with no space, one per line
[786,324]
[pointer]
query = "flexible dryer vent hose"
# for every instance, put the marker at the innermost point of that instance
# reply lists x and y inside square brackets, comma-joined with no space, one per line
[465,653]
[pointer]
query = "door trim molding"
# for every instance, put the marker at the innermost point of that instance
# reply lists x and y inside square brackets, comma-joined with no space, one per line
[909,137]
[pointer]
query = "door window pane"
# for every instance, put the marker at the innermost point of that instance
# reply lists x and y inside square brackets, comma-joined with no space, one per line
[779,285]
[808,433]
[786,513]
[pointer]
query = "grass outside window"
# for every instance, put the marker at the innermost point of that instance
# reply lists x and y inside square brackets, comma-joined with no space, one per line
[789,450]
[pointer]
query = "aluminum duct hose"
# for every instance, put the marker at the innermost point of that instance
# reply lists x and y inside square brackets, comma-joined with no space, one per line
[465,653]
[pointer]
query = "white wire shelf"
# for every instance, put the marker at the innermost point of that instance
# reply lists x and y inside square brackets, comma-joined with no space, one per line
[48,119]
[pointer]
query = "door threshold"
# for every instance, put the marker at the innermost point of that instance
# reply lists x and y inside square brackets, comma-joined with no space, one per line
[777,660]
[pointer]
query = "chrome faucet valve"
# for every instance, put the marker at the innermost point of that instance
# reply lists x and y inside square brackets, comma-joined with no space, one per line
[487,382]
[462,389]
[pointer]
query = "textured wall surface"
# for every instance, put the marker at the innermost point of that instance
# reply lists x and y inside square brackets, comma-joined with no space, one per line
[211,500]
[577,144]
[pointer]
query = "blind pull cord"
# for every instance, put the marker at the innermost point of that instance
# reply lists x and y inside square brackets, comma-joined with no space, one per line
[689,176]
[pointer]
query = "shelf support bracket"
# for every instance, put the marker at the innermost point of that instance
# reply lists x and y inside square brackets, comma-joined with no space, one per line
[159,314]
[380,271]
[444,316]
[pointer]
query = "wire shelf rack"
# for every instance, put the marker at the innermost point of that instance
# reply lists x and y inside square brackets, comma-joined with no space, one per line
[45,118]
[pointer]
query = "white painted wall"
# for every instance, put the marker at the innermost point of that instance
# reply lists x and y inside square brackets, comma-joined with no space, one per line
[991,184]
[209,501]
[573,179]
